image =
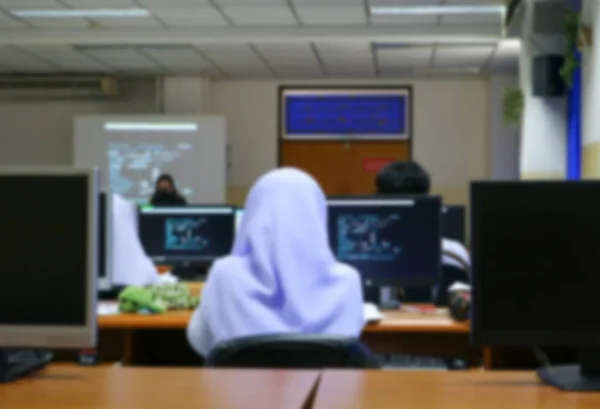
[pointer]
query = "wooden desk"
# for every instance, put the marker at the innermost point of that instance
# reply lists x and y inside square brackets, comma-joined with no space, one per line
[394,322]
[443,390]
[400,332]
[71,387]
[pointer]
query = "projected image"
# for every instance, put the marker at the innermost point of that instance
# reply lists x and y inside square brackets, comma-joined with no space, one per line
[135,166]
[184,233]
[362,237]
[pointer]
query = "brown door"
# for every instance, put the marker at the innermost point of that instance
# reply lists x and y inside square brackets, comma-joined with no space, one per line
[343,168]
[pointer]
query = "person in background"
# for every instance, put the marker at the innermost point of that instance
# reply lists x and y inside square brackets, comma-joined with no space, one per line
[165,192]
[409,178]
[281,276]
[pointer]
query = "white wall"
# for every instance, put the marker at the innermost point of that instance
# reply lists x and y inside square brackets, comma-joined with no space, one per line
[451,124]
[41,132]
[504,140]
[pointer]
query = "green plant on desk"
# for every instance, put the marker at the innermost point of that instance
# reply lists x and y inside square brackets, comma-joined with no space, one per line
[157,298]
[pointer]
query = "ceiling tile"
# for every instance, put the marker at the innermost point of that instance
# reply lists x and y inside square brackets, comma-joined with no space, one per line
[473,19]
[463,56]
[189,16]
[251,2]
[234,58]
[127,58]
[384,20]
[58,22]
[9,22]
[100,4]
[400,3]
[330,2]
[176,57]
[30,4]
[343,47]
[323,14]
[287,54]
[173,3]
[265,15]
[127,22]
[403,19]
[405,57]
[22,61]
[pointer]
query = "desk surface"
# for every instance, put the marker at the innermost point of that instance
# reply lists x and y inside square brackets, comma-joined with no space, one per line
[71,387]
[394,321]
[443,390]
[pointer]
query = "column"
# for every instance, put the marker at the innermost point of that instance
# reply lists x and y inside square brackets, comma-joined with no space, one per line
[544,123]
[591,92]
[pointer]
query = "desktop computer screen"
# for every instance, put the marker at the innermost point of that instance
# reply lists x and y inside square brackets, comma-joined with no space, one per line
[48,237]
[535,262]
[453,223]
[390,241]
[187,234]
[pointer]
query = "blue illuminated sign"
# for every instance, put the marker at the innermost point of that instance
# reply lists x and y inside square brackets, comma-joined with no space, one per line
[373,114]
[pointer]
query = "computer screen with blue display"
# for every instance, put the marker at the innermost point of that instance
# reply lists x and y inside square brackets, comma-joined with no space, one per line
[453,222]
[390,241]
[187,234]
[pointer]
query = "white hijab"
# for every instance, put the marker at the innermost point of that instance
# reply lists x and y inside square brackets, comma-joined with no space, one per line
[282,276]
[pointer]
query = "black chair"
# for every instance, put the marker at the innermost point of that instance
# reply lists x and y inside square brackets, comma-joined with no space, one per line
[292,351]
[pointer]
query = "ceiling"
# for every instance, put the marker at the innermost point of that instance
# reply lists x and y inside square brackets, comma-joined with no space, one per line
[255,38]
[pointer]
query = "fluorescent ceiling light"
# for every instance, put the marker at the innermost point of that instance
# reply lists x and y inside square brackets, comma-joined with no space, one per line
[144,126]
[436,10]
[77,13]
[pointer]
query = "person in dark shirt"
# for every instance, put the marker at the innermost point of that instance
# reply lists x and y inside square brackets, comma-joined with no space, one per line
[165,192]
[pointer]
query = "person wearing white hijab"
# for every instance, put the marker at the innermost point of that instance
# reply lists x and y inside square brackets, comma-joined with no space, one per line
[130,263]
[281,276]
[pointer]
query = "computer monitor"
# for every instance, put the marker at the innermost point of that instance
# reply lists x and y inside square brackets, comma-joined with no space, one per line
[48,242]
[453,222]
[187,234]
[534,249]
[105,242]
[390,241]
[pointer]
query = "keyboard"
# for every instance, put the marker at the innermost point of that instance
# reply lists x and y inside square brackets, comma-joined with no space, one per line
[15,364]
[410,362]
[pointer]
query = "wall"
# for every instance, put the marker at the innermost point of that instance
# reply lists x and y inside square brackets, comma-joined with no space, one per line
[451,123]
[504,139]
[41,132]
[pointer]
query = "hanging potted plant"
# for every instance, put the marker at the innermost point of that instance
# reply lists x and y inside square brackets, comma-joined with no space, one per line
[513,105]
[577,37]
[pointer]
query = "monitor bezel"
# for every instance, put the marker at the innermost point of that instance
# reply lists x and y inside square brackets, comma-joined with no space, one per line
[181,260]
[105,281]
[63,336]
[515,338]
[395,200]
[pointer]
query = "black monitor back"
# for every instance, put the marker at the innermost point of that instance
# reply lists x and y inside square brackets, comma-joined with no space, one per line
[453,223]
[535,263]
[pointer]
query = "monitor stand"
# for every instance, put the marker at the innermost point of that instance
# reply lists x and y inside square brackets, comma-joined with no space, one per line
[15,364]
[578,378]
[384,297]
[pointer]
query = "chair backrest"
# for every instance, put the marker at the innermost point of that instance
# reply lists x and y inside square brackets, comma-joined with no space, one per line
[292,351]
